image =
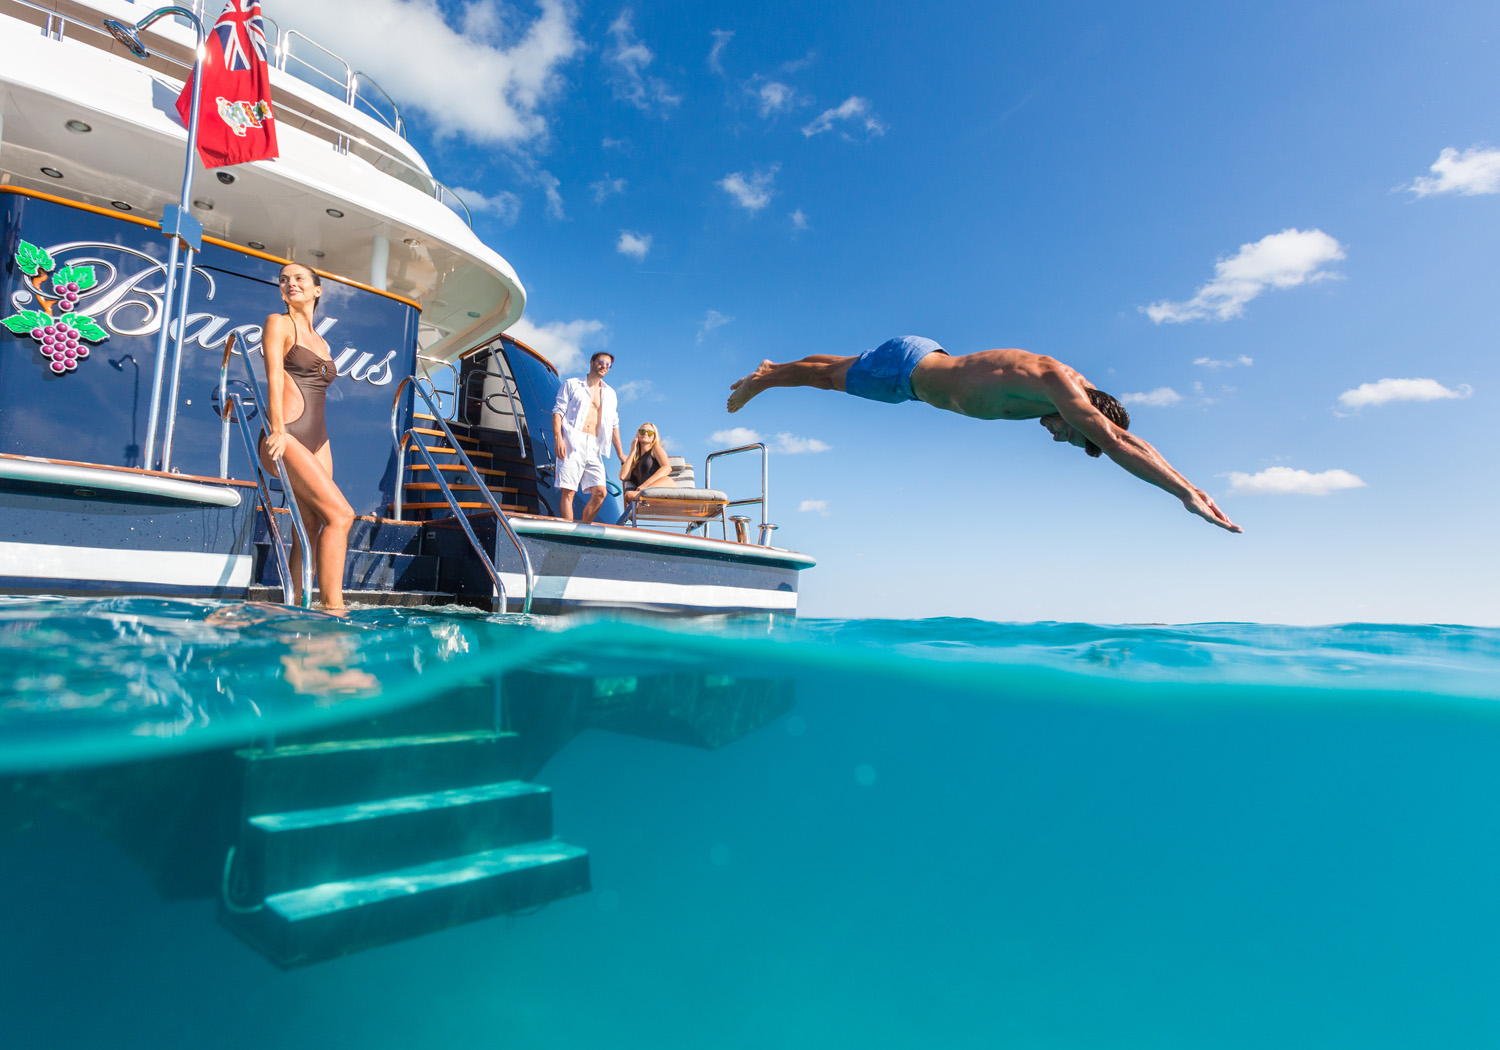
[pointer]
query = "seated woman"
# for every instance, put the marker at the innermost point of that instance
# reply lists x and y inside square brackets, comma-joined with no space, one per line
[299,370]
[645,466]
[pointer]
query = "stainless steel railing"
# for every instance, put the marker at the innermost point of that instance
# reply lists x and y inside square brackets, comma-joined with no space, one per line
[420,447]
[507,383]
[764,499]
[232,407]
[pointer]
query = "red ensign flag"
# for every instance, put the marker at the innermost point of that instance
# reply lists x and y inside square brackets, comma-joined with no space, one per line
[235,123]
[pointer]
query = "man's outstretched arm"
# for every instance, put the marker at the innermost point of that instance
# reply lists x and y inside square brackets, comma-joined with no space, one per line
[1134,453]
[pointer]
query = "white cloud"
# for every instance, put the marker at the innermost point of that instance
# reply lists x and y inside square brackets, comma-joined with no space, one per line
[1472,172]
[550,185]
[853,108]
[1208,362]
[609,143]
[633,244]
[561,342]
[1161,397]
[1285,481]
[734,437]
[1387,390]
[792,445]
[506,206]
[1278,260]
[772,97]
[606,188]
[628,61]
[409,47]
[638,390]
[752,192]
[785,443]
[713,319]
[799,220]
[722,37]
[814,506]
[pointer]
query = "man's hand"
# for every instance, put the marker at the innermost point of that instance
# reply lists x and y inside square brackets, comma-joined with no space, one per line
[562,446]
[1203,505]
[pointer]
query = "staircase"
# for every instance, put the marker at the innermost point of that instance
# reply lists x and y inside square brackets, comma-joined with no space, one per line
[495,456]
[349,844]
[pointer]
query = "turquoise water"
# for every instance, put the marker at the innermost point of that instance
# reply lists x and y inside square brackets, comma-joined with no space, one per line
[961,834]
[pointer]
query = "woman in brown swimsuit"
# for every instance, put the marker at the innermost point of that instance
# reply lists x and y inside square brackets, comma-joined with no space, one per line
[299,370]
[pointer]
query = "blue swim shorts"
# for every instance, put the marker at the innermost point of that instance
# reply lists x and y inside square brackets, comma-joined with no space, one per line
[884,374]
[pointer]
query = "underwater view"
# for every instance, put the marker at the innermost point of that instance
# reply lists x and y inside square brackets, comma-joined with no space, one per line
[873,833]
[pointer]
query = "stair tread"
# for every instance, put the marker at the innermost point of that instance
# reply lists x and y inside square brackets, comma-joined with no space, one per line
[433,486]
[460,466]
[440,450]
[462,506]
[439,433]
[327,746]
[374,809]
[345,894]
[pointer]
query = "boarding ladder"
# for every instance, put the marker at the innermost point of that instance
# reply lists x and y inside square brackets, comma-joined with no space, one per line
[412,439]
[233,407]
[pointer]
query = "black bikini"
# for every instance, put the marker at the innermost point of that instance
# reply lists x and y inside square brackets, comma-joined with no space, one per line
[313,375]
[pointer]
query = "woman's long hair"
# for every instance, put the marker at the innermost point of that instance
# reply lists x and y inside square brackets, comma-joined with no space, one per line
[635,448]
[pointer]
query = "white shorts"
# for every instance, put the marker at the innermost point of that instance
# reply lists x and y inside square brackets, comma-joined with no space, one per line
[584,467]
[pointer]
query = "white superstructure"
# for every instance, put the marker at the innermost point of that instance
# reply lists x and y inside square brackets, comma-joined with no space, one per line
[82,118]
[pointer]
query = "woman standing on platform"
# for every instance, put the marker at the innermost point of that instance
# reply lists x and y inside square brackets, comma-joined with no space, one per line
[299,370]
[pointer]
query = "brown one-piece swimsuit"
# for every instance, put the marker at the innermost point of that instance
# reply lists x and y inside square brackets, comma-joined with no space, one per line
[313,376]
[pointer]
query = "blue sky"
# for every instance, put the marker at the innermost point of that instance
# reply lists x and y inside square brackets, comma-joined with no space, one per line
[1273,224]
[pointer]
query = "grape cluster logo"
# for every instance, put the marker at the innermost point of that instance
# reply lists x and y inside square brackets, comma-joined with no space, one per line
[63,340]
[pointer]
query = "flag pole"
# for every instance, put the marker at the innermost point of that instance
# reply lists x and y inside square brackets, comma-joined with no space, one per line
[177,223]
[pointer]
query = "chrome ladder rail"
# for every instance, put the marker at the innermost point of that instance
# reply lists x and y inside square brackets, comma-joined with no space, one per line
[463,519]
[766,528]
[228,403]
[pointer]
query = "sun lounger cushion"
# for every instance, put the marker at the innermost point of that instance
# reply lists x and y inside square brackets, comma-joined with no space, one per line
[678,493]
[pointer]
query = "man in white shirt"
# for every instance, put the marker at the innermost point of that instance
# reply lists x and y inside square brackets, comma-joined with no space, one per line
[585,419]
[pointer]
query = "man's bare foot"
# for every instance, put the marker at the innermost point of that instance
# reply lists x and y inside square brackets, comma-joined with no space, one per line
[744,389]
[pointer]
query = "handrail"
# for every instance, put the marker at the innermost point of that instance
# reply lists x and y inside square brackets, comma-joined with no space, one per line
[227,404]
[444,364]
[463,519]
[766,527]
[508,382]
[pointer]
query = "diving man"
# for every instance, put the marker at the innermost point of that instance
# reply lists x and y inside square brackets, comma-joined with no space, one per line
[990,384]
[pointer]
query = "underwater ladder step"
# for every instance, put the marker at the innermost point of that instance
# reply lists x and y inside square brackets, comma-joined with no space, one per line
[352,844]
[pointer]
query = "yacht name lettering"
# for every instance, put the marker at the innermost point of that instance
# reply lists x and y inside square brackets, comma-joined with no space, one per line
[130,304]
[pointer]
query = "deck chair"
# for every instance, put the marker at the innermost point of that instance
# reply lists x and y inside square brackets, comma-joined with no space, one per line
[681,503]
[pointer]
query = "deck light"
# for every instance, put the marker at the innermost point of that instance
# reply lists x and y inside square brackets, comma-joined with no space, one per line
[78,126]
[256,245]
[52,173]
[411,242]
[315,253]
[473,313]
[226,177]
[177,224]
[205,205]
[334,212]
[121,205]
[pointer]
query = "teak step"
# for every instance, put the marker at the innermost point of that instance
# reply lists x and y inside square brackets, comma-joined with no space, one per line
[439,433]
[434,486]
[459,466]
[287,851]
[439,450]
[461,506]
[312,776]
[325,921]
